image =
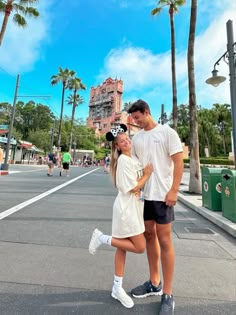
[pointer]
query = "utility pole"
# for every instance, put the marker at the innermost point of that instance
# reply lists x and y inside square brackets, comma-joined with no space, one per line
[5,166]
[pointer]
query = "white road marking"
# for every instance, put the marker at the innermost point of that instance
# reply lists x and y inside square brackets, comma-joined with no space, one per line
[24,204]
[15,172]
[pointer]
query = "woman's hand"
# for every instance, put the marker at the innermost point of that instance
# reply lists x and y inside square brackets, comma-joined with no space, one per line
[148,169]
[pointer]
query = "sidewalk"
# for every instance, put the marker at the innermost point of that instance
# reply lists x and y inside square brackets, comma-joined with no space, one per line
[194,202]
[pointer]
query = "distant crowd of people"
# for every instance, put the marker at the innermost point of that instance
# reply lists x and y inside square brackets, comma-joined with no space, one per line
[64,160]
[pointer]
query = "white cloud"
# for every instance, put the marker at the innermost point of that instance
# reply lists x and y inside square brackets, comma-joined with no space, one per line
[21,47]
[142,70]
[137,67]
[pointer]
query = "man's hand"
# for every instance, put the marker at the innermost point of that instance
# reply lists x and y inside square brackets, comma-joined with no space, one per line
[171,198]
[172,195]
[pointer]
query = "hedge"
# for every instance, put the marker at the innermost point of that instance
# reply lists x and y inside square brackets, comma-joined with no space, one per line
[213,161]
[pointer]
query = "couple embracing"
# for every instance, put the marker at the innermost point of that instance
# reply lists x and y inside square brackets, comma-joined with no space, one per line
[147,183]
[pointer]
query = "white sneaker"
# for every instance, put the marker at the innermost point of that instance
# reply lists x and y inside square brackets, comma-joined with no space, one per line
[95,241]
[119,294]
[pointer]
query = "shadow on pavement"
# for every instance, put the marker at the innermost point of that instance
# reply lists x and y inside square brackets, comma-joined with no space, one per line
[101,303]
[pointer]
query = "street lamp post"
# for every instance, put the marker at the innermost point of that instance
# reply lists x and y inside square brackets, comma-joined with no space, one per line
[215,80]
[163,119]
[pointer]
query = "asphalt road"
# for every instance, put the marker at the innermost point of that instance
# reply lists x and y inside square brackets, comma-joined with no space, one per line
[45,268]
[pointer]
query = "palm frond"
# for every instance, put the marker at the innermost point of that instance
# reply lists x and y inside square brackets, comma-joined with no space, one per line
[76,84]
[28,2]
[2,7]
[54,80]
[33,12]
[75,99]
[180,2]
[19,20]
[19,8]
[156,11]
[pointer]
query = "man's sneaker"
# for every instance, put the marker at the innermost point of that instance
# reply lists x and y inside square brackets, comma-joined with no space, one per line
[167,305]
[119,294]
[147,289]
[95,241]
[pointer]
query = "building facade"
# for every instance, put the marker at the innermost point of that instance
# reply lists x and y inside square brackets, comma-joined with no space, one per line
[105,106]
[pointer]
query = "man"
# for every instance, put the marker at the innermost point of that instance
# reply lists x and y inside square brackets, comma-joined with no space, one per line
[161,146]
[66,159]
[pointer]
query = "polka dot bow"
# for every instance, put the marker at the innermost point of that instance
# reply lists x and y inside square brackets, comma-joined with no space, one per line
[115,131]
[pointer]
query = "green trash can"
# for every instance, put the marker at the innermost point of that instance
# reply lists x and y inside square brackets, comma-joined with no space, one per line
[228,178]
[211,188]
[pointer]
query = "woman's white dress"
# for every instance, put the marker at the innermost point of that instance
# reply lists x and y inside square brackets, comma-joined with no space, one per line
[128,207]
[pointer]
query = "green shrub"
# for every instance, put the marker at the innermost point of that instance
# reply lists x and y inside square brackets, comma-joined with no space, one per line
[213,161]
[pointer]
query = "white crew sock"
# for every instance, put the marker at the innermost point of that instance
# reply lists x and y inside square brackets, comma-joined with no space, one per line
[118,281]
[105,239]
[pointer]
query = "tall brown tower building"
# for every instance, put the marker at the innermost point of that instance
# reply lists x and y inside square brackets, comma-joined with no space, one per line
[105,106]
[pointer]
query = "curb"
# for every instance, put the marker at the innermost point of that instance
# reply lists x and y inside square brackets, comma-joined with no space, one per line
[213,216]
[3,173]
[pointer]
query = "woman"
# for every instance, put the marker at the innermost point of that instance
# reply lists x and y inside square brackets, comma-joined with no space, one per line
[127,223]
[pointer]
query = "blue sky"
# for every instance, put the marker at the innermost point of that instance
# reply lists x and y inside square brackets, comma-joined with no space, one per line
[120,39]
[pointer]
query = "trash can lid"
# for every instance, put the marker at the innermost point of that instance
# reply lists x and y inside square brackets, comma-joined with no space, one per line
[212,170]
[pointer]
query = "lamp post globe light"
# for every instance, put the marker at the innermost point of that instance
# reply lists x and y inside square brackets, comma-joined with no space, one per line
[230,58]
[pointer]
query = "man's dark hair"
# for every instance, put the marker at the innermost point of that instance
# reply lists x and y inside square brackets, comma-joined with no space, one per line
[140,106]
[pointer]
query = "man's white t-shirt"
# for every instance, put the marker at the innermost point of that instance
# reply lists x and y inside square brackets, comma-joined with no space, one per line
[128,208]
[156,146]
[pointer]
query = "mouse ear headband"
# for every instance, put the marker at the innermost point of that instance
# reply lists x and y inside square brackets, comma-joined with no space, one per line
[111,135]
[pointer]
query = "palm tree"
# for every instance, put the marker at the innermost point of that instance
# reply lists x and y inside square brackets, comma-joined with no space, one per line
[222,115]
[207,134]
[127,106]
[195,174]
[183,123]
[74,100]
[63,76]
[21,9]
[173,8]
[75,84]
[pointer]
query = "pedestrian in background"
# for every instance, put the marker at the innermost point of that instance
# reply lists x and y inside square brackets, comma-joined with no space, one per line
[127,222]
[161,146]
[66,159]
[107,161]
[52,161]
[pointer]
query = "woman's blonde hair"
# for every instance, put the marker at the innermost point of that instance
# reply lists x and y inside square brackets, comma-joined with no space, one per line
[115,153]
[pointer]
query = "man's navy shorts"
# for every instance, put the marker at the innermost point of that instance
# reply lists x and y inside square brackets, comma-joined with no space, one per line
[158,211]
